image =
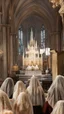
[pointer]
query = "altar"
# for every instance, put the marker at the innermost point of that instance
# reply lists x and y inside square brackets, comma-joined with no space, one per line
[34,72]
[32,59]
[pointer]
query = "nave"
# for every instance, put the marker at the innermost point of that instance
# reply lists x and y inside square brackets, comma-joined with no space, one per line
[31,56]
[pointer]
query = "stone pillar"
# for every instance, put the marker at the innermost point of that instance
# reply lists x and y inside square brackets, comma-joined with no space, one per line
[58,41]
[55,41]
[4,40]
[52,45]
[8,49]
[61,12]
[4,53]
[15,48]
[62,41]
[1,46]
[11,53]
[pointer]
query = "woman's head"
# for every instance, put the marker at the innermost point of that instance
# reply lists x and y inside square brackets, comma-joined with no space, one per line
[23,104]
[34,82]
[58,108]
[4,101]
[56,91]
[7,112]
[19,87]
[8,86]
[36,91]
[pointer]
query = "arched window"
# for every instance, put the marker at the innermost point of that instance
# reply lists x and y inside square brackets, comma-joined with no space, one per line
[43,37]
[20,34]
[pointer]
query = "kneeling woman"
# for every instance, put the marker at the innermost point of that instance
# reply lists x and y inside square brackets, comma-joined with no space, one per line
[36,94]
[23,104]
[4,102]
[58,108]
[55,93]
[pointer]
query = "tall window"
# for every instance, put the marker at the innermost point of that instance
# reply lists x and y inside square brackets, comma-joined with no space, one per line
[43,37]
[20,34]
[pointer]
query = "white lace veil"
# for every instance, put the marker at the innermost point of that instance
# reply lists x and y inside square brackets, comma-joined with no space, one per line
[58,108]
[8,86]
[7,112]
[4,101]
[36,91]
[56,91]
[19,87]
[23,104]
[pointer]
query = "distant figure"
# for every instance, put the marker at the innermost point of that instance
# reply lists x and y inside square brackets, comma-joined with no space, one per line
[8,86]
[23,104]
[19,87]
[36,94]
[55,93]
[4,102]
[59,108]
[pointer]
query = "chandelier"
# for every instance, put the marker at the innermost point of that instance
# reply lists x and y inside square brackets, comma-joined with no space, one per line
[55,3]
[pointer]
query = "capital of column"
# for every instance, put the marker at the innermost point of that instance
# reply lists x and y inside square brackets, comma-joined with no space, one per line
[5,25]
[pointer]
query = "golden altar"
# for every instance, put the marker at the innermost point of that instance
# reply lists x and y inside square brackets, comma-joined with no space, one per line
[32,59]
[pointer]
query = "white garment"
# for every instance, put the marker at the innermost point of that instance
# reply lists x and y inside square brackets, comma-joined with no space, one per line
[6,112]
[23,104]
[58,108]
[56,91]
[8,86]
[19,87]
[4,101]
[36,92]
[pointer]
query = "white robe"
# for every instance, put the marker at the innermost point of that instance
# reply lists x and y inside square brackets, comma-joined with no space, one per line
[23,104]
[58,108]
[8,86]
[4,101]
[56,91]
[19,87]
[36,92]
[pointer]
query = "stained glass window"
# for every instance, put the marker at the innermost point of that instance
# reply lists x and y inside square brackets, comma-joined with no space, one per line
[43,37]
[20,34]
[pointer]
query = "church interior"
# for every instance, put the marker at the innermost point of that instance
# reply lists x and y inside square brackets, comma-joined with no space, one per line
[32,56]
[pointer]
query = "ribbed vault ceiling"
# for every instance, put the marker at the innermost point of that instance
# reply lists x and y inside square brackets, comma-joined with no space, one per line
[23,9]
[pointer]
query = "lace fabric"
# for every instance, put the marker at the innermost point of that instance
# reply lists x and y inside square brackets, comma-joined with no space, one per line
[4,101]
[23,104]
[8,86]
[36,92]
[56,91]
[19,87]
[58,108]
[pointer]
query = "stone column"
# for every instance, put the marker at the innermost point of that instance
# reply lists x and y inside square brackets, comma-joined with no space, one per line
[8,49]
[58,41]
[15,48]
[1,43]
[52,45]
[4,53]
[55,41]
[4,40]
[61,12]
[11,53]
[62,41]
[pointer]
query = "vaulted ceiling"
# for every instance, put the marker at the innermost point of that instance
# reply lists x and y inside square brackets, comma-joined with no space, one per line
[19,10]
